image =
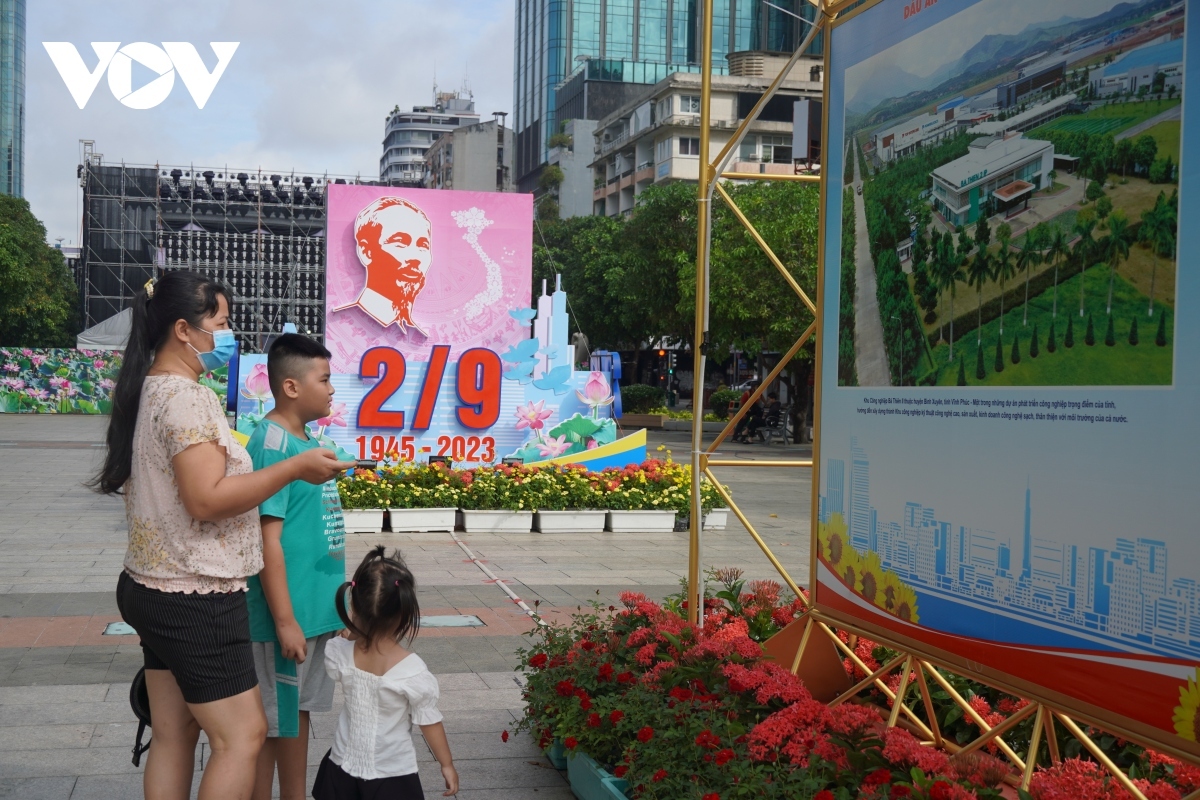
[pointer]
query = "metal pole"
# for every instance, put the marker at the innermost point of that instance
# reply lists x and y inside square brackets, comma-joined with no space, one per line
[699,341]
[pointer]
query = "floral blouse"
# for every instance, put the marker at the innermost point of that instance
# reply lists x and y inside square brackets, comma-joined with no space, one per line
[168,549]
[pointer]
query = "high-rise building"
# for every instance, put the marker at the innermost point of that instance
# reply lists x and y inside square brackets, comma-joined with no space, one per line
[625,41]
[12,97]
[835,485]
[475,158]
[408,136]
[860,497]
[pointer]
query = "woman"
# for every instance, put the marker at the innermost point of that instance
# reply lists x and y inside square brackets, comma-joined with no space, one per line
[191,497]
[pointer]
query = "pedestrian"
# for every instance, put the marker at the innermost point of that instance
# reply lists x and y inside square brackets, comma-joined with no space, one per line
[387,688]
[304,562]
[191,499]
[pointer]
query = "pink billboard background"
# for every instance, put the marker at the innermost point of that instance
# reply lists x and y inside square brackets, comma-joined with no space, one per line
[480,262]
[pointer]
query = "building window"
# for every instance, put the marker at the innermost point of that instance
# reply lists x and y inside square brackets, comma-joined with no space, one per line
[664,150]
[689,104]
[748,149]
[689,146]
[777,149]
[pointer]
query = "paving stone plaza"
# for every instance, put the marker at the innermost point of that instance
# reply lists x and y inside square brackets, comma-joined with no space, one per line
[66,728]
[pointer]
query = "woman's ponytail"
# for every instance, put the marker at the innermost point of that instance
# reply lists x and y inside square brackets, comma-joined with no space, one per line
[156,307]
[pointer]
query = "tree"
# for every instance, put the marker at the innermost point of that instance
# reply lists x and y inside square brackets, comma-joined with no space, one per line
[1162,170]
[999,364]
[1160,338]
[586,252]
[979,273]
[1123,156]
[1030,256]
[1069,339]
[1089,338]
[1005,265]
[1158,229]
[1057,249]
[962,372]
[38,298]
[1084,225]
[1145,150]
[1110,336]
[983,233]
[1016,348]
[949,273]
[1133,334]
[980,373]
[1051,343]
[1033,343]
[1104,207]
[1116,247]
[1094,191]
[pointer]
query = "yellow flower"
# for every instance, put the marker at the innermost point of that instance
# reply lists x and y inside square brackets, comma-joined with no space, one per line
[1187,713]
[832,536]
[870,577]
[851,567]
[904,602]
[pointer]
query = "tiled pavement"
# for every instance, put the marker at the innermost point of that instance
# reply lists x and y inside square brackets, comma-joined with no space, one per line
[65,725]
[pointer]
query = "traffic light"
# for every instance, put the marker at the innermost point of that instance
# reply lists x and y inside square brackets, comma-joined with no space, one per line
[671,364]
[662,353]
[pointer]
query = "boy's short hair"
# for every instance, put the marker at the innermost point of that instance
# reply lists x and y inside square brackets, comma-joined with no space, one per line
[289,357]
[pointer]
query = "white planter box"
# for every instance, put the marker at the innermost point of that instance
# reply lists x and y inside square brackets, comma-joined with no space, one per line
[641,521]
[363,520]
[715,520]
[576,521]
[421,520]
[497,521]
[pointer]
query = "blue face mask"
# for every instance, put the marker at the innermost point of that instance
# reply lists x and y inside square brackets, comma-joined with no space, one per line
[224,346]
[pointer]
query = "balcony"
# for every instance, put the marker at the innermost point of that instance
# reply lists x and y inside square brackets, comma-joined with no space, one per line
[613,143]
[644,173]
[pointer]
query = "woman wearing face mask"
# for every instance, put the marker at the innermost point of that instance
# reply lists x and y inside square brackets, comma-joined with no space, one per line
[191,499]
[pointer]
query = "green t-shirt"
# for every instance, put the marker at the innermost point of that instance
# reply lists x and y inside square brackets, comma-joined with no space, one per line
[313,540]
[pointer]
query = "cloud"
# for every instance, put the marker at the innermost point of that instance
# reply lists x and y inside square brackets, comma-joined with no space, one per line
[307,90]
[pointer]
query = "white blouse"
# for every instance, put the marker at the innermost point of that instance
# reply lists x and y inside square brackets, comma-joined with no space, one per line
[374,733]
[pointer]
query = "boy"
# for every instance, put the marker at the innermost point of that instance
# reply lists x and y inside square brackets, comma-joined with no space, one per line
[291,602]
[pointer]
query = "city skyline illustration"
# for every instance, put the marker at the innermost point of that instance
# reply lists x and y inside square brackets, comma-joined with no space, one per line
[1017,588]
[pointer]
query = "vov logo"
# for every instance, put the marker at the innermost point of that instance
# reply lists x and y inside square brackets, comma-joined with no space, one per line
[165,61]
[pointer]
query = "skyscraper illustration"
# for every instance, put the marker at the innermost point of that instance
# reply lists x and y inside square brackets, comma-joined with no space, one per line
[1121,596]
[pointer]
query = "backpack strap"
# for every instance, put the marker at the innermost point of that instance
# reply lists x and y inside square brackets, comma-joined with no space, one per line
[138,747]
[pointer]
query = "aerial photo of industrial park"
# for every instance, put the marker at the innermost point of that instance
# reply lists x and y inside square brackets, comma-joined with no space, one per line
[1010,204]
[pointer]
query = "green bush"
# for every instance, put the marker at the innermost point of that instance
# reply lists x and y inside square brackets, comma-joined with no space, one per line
[638,398]
[720,401]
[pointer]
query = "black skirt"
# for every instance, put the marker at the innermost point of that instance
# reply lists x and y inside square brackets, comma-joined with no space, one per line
[203,639]
[334,783]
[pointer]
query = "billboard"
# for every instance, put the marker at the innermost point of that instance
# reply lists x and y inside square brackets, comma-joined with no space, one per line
[436,349]
[1006,429]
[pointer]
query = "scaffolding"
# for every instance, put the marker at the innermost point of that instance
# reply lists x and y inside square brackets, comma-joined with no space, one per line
[260,234]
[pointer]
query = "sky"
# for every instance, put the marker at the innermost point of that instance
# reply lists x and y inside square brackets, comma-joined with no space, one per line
[943,44]
[307,89]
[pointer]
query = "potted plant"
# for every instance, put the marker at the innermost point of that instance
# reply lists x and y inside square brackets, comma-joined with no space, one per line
[424,498]
[716,512]
[645,498]
[364,494]
[498,499]
[572,502]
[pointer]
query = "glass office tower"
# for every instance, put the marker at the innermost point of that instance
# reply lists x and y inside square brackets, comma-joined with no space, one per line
[12,97]
[637,41]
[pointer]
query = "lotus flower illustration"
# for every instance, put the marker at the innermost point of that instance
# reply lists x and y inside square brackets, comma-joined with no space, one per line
[596,392]
[533,415]
[258,386]
[337,416]
[553,447]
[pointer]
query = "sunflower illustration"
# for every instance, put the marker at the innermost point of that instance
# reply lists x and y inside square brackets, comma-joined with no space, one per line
[851,567]
[833,541]
[905,602]
[870,577]
[1187,713]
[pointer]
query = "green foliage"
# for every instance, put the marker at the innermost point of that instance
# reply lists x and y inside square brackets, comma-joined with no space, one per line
[999,365]
[638,398]
[1033,343]
[1110,337]
[561,140]
[1089,338]
[38,299]
[1094,191]
[847,373]
[1133,334]
[980,372]
[1160,338]
[962,372]
[1016,349]
[1051,343]
[1162,170]
[1069,339]
[720,400]
[551,178]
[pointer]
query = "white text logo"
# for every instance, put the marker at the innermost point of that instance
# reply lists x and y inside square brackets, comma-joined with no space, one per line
[165,61]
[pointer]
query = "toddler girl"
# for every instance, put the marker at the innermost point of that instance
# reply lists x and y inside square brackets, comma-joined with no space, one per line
[386,688]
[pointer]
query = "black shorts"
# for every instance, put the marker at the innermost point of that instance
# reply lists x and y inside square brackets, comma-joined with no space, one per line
[203,639]
[334,783]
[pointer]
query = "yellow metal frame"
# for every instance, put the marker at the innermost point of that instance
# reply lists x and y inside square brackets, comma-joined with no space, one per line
[918,668]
